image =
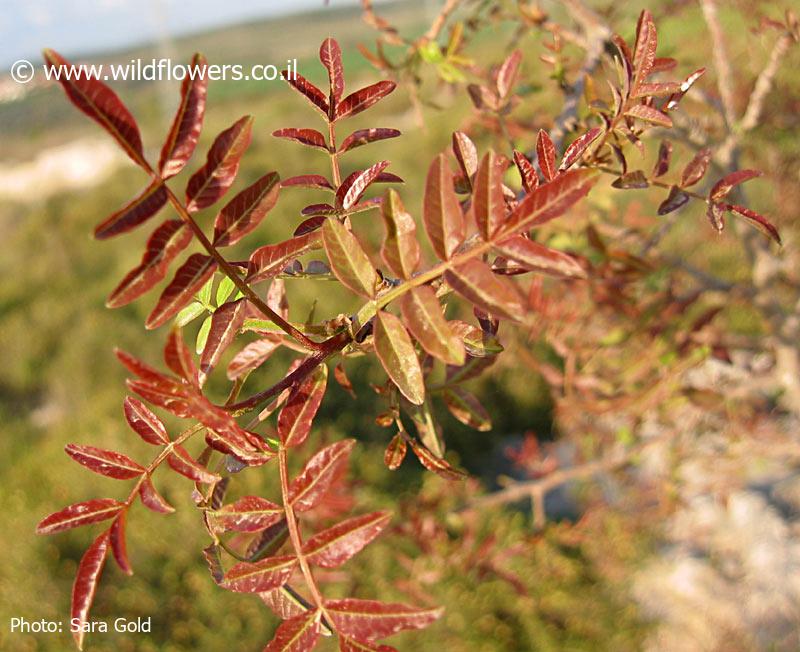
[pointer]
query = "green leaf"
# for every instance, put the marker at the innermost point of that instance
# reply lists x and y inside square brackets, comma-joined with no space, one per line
[189,314]
[202,335]
[224,289]
[398,357]
[204,296]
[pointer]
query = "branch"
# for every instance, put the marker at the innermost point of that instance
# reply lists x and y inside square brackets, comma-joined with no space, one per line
[722,63]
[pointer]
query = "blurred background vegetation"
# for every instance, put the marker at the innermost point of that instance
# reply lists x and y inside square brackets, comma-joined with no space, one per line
[60,383]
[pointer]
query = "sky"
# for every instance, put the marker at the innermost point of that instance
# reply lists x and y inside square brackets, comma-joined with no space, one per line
[86,26]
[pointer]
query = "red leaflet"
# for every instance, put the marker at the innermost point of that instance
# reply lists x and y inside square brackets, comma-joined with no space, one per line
[188,122]
[398,357]
[318,209]
[363,99]
[476,282]
[649,114]
[152,499]
[334,546]
[225,325]
[146,372]
[316,181]
[467,409]
[263,575]
[86,579]
[687,83]
[307,489]
[756,220]
[546,153]
[442,216]
[550,200]
[118,545]
[134,213]
[530,180]
[348,260]
[101,104]
[538,258]
[294,421]
[395,452]
[309,91]
[270,260]
[347,644]
[664,157]
[644,53]
[487,196]
[356,183]
[422,315]
[674,201]
[186,465]
[310,137]
[344,382]
[661,89]
[179,359]
[507,73]
[108,463]
[368,619]
[728,182]
[144,423]
[696,168]
[630,180]
[298,634]
[188,280]
[330,54]
[212,181]
[578,147]
[716,216]
[246,210]
[285,605]
[248,514]
[167,398]
[226,435]
[400,250]
[466,154]
[166,242]
[251,357]
[91,511]
[363,136]
[438,465]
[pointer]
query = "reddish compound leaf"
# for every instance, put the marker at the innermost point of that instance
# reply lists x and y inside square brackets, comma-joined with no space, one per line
[188,122]
[251,357]
[347,644]
[248,514]
[577,148]
[134,213]
[188,280]
[334,546]
[538,258]
[686,84]
[348,194]
[674,201]
[85,586]
[310,137]
[307,489]
[649,114]
[348,260]
[330,54]
[152,499]
[309,91]
[696,168]
[101,104]
[466,154]
[438,465]
[467,409]
[296,417]
[422,315]
[550,200]
[264,575]
[270,260]
[298,634]
[186,465]
[476,282]
[507,73]
[369,620]
[664,157]
[225,325]
[245,211]
[444,221]
[395,452]
[488,204]
[728,182]
[644,53]
[546,154]
[85,513]
[166,242]
[178,357]
[316,181]
[225,435]
[530,180]
[754,219]
[400,250]
[211,182]
[363,136]
[398,357]
[105,462]
[362,99]
[144,423]
[118,544]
